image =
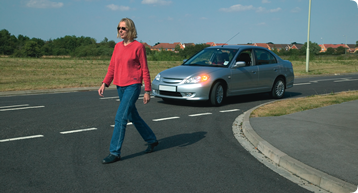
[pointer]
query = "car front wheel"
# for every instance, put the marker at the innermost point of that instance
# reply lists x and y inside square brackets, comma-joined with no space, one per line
[217,94]
[278,89]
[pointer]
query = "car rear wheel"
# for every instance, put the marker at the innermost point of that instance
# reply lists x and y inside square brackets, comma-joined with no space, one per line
[278,89]
[217,94]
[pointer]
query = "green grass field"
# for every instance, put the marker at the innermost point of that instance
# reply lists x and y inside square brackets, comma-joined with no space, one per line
[45,73]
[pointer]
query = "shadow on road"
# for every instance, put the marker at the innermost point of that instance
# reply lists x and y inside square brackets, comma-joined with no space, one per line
[229,100]
[180,140]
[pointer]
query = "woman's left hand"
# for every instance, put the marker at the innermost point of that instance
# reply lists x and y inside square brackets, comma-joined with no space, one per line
[146,98]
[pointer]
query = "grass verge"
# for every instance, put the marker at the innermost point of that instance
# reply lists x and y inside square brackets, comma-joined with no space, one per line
[288,106]
[35,74]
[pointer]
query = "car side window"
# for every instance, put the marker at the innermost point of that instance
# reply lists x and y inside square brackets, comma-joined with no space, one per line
[245,56]
[264,57]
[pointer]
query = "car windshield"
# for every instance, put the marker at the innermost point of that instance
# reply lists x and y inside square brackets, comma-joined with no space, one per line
[215,57]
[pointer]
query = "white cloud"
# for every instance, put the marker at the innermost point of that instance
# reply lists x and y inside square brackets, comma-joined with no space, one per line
[275,10]
[237,7]
[114,7]
[203,18]
[264,10]
[44,4]
[156,2]
[266,1]
[296,10]
[260,9]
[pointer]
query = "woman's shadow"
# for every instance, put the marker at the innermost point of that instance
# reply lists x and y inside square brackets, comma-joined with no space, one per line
[180,140]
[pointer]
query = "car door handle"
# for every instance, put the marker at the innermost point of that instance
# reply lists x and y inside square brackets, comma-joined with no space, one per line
[253,72]
[275,69]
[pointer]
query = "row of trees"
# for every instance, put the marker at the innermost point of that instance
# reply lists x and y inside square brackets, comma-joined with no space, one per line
[23,46]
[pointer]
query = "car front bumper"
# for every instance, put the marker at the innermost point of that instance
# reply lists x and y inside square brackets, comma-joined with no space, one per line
[199,91]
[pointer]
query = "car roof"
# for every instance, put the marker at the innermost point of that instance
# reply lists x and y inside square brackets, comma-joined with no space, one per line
[236,47]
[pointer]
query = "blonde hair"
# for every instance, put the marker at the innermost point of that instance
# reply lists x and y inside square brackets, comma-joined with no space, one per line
[132,31]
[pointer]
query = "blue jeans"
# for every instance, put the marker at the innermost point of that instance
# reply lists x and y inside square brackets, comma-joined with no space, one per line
[127,111]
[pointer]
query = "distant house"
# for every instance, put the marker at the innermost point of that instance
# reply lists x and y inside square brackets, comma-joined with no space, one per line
[296,46]
[245,44]
[352,48]
[262,45]
[167,46]
[210,43]
[188,44]
[324,47]
[146,45]
[280,47]
[221,44]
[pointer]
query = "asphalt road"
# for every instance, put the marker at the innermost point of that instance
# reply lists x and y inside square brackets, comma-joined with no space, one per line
[56,142]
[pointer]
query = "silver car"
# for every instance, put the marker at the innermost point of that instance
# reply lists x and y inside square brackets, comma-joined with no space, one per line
[222,71]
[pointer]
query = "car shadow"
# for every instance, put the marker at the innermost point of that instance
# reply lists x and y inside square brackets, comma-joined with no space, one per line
[180,140]
[229,100]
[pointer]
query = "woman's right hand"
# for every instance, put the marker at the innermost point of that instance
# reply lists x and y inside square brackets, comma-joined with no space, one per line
[101,89]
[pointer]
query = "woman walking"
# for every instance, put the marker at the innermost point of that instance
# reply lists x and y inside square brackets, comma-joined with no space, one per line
[127,69]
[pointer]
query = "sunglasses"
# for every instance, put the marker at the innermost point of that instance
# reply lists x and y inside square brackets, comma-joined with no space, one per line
[121,28]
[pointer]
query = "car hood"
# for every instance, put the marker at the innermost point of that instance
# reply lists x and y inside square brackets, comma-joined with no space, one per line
[186,71]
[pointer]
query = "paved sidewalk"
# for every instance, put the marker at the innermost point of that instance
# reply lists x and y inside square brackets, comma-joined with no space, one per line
[319,145]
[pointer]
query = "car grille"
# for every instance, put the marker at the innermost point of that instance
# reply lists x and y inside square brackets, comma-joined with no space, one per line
[171,80]
[167,93]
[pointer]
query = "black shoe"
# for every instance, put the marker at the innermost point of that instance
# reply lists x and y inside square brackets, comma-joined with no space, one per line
[150,147]
[110,159]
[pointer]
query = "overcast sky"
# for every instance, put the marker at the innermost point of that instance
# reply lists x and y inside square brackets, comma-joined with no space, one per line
[186,21]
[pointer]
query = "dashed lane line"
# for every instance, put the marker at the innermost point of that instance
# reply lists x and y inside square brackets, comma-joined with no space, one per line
[22,108]
[346,80]
[301,84]
[79,130]
[200,114]
[129,123]
[231,110]
[164,119]
[104,98]
[21,138]
[12,106]
[140,98]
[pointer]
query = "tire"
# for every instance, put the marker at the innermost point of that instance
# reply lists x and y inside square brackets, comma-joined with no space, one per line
[278,89]
[217,94]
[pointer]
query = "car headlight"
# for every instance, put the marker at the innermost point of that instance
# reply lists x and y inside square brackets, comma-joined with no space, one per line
[157,77]
[197,79]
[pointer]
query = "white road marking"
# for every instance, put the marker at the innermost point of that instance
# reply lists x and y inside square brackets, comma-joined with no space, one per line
[139,98]
[12,106]
[232,110]
[301,84]
[129,123]
[333,79]
[21,108]
[346,80]
[20,138]
[76,131]
[104,98]
[200,114]
[164,119]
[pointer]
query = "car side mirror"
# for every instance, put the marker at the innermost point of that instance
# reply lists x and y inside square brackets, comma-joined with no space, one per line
[239,64]
[185,60]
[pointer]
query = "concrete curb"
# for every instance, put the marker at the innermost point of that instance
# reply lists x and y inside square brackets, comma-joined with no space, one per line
[312,175]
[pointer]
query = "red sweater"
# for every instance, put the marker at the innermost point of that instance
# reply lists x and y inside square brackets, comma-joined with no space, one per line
[128,66]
